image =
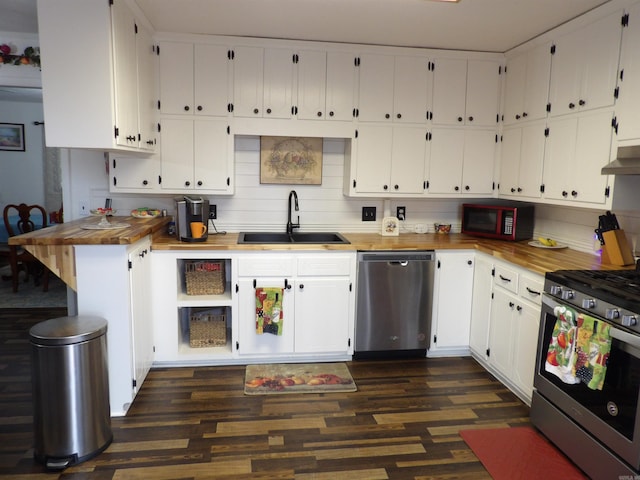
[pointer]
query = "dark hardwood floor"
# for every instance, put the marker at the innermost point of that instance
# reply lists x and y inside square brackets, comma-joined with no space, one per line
[196,423]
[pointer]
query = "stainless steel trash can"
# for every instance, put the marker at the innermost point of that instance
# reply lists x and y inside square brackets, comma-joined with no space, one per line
[70,379]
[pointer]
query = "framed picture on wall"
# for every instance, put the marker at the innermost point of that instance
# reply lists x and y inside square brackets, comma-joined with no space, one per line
[291,160]
[12,137]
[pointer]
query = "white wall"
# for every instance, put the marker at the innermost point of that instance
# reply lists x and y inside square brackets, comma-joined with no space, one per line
[22,173]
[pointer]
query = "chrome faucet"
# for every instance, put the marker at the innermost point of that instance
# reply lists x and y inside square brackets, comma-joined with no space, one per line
[290,225]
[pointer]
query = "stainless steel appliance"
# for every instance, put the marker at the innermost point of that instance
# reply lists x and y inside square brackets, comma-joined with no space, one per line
[191,209]
[598,429]
[503,221]
[395,297]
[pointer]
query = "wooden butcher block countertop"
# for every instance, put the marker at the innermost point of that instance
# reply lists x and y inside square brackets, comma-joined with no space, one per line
[538,260]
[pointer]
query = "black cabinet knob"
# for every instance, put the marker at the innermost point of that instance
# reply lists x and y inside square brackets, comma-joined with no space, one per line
[331,114]
[574,193]
[471,119]
[467,188]
[582,103]
[517,117]
[396,187]
[301,286]
[268,110]
[187,183]
[519,189]
[513,190]
[511,304]
[572,105]
[386,115]
[399,115]
[386,187]
[456,188]
[319,114]
[145,182]
[469,262]
[525,114]
[564,193]
[199,108]
[459,119]
[256,111]
[186,108]
[199,183]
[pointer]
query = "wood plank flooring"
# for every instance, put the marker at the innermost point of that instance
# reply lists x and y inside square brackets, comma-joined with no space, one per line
[196,423]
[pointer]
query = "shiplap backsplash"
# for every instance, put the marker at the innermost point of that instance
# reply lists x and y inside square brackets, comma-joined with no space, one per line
[255,206]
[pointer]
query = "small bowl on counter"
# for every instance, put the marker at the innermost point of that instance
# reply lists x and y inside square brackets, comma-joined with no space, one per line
[442,228]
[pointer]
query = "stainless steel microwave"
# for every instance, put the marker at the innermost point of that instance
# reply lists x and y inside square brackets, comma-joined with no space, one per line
[502,222]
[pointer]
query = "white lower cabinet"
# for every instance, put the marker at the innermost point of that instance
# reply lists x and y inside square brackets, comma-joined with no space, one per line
[113,283]
[514,321]
[318,301]
[481,305]
[452,295]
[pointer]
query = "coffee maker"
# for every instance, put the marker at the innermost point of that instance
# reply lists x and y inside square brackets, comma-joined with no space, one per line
[191,209]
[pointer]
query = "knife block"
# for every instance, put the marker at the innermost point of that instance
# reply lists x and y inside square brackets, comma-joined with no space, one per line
[616,249]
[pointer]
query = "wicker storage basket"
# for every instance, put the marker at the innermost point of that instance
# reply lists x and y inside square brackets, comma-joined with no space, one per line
[207,330]
[205,277]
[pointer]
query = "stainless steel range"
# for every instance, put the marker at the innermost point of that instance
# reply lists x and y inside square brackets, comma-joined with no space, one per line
[587,379]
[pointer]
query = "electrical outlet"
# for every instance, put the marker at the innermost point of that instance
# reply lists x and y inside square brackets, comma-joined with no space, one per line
[401,213]
[83,208]
[213,212]
[368,214]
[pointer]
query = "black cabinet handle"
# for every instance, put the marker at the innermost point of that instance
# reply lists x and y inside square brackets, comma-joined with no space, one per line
[301,286]
[519,308]
[513,190]
[467,188]
[511,304]
[145,182]
[582,103]
[519,189]
[268,110]
[319,114]
[456,188]
[459,119]
[533,292]
[517,117]
[565,193]
[574,193]
[525,114]
[572,105]
[255,110]
[386,115]
[331,114]
[186,108]
[187,183]
[199,108]
[399,115]
[199,183]
[386,187]
[396,187]
[504,279]
[471,119]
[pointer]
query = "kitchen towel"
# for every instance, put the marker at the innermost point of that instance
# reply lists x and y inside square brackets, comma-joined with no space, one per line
[269,315]
[561,353]
[593,345]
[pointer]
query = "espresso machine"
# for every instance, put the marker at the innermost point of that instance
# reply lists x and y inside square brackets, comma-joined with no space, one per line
[191,209]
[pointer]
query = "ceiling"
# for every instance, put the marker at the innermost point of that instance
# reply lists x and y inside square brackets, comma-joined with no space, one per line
[474,25]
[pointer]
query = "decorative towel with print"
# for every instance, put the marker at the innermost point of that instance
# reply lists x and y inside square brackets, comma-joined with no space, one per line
[269,313]
[561,354]
[593,345]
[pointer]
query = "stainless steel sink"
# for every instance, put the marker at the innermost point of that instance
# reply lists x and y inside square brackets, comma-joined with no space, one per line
[296,237]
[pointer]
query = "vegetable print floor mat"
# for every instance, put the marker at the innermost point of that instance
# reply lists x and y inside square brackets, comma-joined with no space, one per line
[298,378]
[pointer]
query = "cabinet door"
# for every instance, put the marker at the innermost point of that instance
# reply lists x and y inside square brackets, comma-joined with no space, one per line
[147,89]
[211,160]
[531,160]
[510,160]
[515,79]
[483,93]
[479,157]
[449,91]
[628,103]
[447,156]
[249,341]
[134,173]
[373,170]
[177,148]
[278,83]
[247,81]
[141,318]
[453,292]
[536,94]
[501,332]
[376,88]
[408,160]
[481,305]
[559,152]
[125,74]
[341,74]
[525,335]
[411,89]
[312,85]
[322,315]
[176,77]
[211,80]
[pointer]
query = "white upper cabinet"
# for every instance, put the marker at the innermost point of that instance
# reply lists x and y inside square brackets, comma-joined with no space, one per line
[147,89]
[577,147]
[389,160]
[95,103]
[341,76]
[312,85]
[194,79]
[527,85]
[462,162]
[585,67]
[466,92]
[263,82]
[521,160]
[394,88]
[628,104]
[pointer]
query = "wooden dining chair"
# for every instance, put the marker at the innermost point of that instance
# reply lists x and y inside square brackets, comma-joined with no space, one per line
[29,217]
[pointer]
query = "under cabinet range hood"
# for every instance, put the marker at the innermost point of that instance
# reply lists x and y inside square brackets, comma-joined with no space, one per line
[627,162]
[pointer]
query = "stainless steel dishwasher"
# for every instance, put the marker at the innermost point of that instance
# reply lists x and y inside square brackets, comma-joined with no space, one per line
[395,299]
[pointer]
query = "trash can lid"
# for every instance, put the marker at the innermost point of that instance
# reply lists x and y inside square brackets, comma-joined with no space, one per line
[68,330]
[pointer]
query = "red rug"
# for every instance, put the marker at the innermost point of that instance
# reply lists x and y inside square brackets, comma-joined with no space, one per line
[519,453]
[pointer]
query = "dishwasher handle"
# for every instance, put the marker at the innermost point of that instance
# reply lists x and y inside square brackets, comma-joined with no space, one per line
[401,263]
[396,256]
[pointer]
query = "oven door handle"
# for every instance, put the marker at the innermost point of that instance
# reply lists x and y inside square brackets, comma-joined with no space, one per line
[625,337]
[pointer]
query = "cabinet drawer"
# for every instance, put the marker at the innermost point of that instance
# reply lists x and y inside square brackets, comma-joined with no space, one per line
[506,278]
[266,265]
[530,288]
[324,265]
